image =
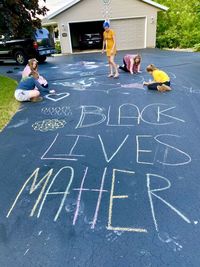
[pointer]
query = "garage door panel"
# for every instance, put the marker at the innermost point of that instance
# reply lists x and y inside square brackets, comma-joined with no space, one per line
[130,33]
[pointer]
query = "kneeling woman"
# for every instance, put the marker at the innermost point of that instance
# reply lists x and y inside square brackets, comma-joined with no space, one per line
[132,63]
[32,67]
[161,80]
[26,91]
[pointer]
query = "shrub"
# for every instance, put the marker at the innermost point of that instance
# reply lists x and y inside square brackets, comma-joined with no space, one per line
[58,47]
[197,48]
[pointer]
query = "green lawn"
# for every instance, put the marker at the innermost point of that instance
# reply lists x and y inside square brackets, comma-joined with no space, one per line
[8,104]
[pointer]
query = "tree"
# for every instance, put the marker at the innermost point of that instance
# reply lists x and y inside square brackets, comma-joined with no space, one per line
[19,18]
[179,26]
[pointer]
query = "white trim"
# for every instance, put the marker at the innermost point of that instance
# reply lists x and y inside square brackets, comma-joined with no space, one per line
[150,2]
[62,9]
[70,39]
[49,23]
[115,18]
[73,2]
[145,32]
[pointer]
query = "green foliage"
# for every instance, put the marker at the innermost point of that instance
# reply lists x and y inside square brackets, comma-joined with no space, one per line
[19,18]
[179,26]
[197,48]
[8,104]
[58,46]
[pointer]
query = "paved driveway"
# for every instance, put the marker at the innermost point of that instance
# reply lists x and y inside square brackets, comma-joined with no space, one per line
[105,173]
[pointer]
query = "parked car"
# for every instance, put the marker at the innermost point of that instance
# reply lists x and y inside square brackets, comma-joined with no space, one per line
[90,40]
[39,46]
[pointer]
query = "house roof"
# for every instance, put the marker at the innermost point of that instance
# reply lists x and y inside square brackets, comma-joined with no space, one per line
[74,2]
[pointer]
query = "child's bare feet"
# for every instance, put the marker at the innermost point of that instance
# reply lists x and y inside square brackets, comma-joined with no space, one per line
[163,88]
[110,75]
[116,76]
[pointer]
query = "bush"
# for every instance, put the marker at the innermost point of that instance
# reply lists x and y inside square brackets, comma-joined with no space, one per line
[197,48]
[58,47]
[169,39]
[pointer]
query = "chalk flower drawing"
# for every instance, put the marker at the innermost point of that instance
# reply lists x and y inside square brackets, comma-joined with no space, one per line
[48,125]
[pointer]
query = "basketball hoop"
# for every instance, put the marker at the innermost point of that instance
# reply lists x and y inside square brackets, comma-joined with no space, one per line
[106,12]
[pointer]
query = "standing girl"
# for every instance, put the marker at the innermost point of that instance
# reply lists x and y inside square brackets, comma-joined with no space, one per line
[109,43]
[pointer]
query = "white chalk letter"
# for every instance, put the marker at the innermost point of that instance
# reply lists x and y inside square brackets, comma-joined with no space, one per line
[91,112]
[112,197]
[140,151]
[151,193]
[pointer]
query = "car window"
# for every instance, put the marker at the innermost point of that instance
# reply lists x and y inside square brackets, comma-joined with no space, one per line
[41,34]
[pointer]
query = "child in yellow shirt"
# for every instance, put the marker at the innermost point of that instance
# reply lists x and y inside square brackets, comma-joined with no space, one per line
[161,80]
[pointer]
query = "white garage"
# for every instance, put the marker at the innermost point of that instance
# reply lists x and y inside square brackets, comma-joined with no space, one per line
[134,22]
[130,33]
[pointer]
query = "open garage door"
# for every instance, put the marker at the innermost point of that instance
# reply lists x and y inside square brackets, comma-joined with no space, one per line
[86,35]
[130,33]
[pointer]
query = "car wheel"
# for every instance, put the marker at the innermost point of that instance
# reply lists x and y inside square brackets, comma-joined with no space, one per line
[20,58]
[41,59]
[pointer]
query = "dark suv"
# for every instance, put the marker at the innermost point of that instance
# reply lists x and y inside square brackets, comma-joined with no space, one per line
[39,46]
[90,40]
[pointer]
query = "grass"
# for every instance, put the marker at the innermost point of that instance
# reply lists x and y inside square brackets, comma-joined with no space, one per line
[8,104]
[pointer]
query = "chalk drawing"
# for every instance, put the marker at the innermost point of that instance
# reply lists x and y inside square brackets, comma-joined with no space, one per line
[71,72]
[133,85]
[58,111]
[187,161]
[83,74]
[40,232]
[81,189]
[90,110]
[134,108]
[172,75]
[159,114]
[151,194]
[79,197]
[34,186]
[86,84]
[172,242]
[112,197]
[26,251]
[77,86]
[19,124]
[65,156]
[139,151]
[115,153]
[90,65]
[48,125]
[57,97]
[124,93]
[111,237]
[65,193]
[99,200]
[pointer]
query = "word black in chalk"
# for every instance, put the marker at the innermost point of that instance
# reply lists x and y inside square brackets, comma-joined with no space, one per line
[127,115]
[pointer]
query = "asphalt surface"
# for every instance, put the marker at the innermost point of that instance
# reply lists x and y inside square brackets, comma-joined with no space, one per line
[105,173]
